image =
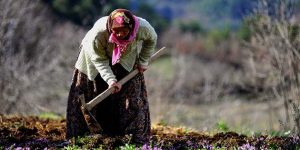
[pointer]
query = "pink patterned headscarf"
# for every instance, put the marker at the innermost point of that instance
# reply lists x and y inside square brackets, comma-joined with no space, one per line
[121,18]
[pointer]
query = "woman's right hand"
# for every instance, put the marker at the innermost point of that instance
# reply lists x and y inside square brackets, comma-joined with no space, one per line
[116,86]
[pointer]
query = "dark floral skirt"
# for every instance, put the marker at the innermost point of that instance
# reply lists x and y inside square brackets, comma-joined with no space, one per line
[126,112]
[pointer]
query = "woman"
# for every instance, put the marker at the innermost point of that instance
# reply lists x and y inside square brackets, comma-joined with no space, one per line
[116,45]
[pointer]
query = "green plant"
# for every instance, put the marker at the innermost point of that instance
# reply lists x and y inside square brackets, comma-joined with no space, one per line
[273,147]
[222,126]
[275,133]
[219,148]
[72,147]
[128,147]
[49,115]
[82,140]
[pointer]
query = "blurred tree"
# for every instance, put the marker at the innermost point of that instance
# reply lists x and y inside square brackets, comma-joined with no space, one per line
[297,6]
[147,11]
[191,26]
[276,36]
[86,12]
[293,32]
[220,13]
[216,8]
[36,53]
[217,36]
[239,9]
[244,32]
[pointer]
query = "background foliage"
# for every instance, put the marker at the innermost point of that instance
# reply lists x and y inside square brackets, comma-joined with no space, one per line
[86,12]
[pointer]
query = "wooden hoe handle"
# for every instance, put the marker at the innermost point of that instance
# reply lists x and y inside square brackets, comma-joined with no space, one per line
[90,105]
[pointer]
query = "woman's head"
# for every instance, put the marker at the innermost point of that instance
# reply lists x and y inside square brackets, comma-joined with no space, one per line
[121,23]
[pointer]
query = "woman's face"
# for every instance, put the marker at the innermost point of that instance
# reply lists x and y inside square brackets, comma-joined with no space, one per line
[121,32]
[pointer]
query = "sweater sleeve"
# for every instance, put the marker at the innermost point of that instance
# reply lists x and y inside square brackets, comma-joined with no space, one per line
[149,44]
[102,62]
[96,45]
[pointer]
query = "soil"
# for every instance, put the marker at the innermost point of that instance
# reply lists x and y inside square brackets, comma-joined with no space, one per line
[36,133]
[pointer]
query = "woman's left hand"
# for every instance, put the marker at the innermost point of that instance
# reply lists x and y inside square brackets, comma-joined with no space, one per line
[116,86]
[142,68]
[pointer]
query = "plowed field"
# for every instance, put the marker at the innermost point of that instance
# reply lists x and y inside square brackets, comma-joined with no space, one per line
[36,133]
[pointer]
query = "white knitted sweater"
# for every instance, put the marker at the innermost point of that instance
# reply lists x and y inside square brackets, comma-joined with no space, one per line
[96,50]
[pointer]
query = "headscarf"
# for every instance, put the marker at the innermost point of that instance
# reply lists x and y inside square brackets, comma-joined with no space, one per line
[121,18]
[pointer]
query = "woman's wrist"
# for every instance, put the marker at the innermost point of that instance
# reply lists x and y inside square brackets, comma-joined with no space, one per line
[111,81]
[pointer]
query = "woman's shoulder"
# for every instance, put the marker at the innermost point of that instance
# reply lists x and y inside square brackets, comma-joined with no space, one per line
[143,23]
[145,28]
[100,24]
[97,31]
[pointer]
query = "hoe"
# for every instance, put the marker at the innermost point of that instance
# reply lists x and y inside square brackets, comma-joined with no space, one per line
[86,108]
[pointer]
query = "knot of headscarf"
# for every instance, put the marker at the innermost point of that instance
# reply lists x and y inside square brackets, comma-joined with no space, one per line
[121,18]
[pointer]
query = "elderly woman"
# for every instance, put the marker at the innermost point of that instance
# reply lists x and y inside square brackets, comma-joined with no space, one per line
[115,45]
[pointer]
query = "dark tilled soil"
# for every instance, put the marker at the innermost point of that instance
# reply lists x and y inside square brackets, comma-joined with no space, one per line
[36,133]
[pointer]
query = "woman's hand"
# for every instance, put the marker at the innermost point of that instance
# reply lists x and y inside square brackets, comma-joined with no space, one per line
[142,68]
[116,86]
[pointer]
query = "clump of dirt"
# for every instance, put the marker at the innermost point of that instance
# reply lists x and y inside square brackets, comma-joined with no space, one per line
[177,138]
[36,133]
[31,132]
